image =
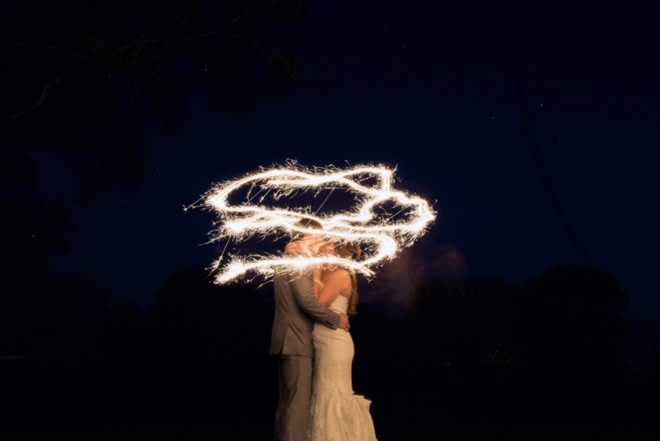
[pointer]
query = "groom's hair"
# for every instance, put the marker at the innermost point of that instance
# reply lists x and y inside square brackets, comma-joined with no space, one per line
[305,222]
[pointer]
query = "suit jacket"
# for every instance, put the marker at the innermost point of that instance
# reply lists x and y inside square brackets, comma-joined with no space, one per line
[296,309]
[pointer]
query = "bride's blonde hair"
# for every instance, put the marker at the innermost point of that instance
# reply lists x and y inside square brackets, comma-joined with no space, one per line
[350,250]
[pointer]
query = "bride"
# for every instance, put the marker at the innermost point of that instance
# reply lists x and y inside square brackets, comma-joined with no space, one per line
[336,412]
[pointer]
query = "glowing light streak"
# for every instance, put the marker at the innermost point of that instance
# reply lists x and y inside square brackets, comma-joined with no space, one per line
[379,232]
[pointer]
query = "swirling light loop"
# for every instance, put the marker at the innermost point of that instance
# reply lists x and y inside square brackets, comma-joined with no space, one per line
[380,234]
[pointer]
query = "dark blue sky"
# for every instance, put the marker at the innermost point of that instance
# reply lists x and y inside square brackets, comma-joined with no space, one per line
[429,87]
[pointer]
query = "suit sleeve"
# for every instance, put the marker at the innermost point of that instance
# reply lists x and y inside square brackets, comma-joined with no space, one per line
[303,291]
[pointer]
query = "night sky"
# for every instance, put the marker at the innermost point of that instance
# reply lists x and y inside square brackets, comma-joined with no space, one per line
[432,89]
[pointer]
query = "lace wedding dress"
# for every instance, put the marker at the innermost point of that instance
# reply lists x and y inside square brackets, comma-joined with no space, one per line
[337,414]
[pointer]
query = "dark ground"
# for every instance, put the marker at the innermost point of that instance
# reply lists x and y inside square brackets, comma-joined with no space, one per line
[182,400]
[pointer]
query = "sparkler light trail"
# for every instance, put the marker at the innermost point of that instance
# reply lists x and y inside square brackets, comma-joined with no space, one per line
[262,204]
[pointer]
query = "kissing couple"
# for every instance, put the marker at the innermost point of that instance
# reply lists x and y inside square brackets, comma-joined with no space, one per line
[311,338]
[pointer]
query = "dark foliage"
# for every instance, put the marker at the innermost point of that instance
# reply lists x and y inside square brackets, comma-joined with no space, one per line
[469,350]
[82,83]
[466,323]
[199,319]
[84,77]
[571,329]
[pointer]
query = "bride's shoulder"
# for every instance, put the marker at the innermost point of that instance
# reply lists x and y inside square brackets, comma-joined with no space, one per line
[336,271]
[337,277]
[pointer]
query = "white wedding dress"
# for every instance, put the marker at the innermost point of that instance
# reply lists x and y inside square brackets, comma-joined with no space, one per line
[337,414]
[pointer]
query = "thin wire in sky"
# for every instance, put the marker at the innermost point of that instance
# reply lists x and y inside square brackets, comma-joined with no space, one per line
[531,135]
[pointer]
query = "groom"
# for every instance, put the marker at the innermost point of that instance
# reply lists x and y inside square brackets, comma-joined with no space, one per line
[296,309]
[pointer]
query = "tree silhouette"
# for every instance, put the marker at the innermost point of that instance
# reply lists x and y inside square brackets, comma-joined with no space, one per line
[122,336]
[85,77]
[465,323]
[504,348]
[194,318]
[214,339]
[83,82]
[570,335]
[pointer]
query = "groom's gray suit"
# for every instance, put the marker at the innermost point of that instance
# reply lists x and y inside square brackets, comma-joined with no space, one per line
[296,309]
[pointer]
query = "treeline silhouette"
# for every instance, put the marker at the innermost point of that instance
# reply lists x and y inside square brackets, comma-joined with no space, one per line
[467,359]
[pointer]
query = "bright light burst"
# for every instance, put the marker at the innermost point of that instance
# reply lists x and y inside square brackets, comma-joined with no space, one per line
[265,204]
